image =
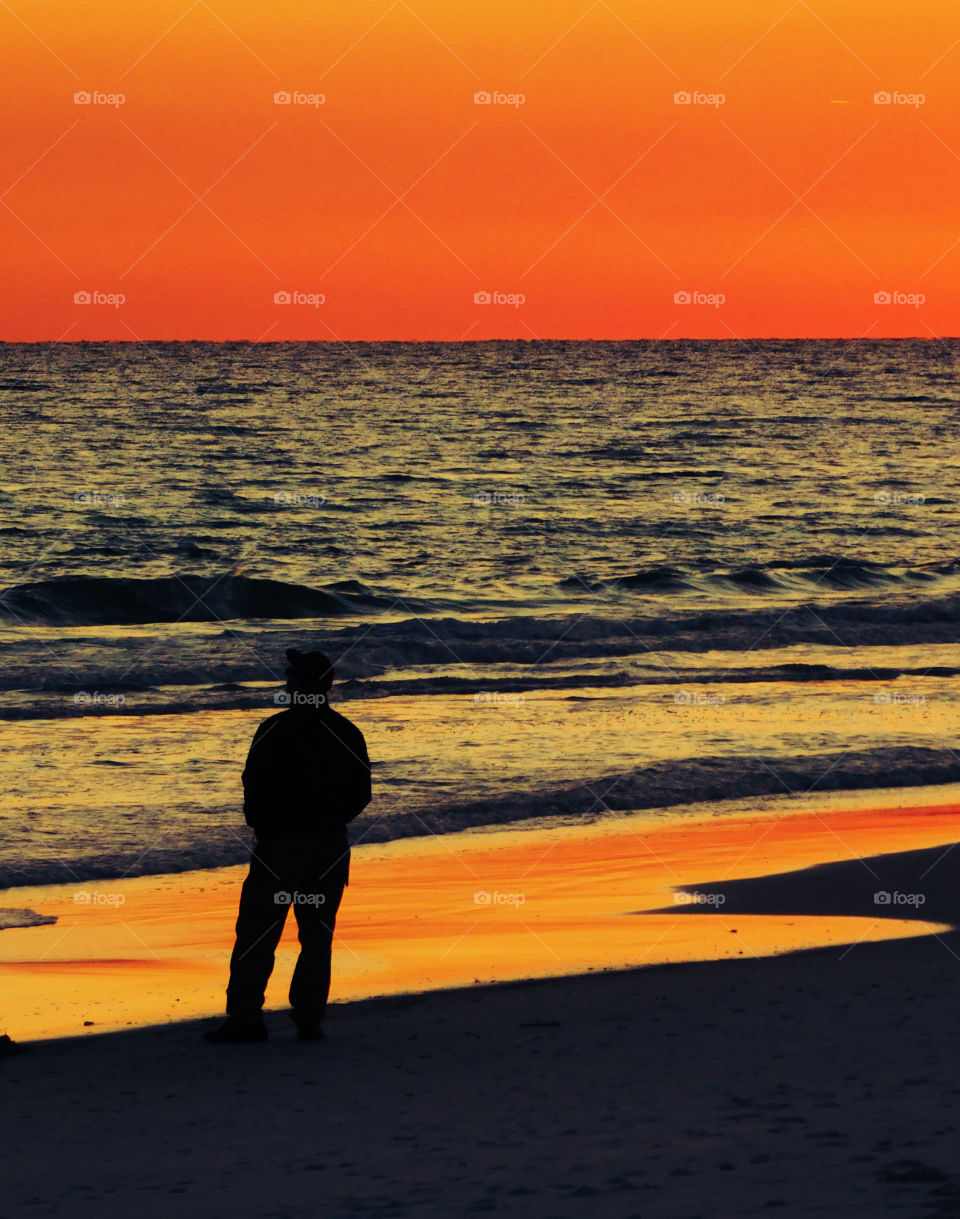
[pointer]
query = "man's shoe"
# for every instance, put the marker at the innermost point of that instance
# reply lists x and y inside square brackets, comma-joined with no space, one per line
[307,1028]
[234,1031]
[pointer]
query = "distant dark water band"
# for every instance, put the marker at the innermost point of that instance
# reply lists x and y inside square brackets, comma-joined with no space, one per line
[130,699]
[87,600]
[138,675]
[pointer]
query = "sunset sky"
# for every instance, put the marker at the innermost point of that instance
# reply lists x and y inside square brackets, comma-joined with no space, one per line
[779,200]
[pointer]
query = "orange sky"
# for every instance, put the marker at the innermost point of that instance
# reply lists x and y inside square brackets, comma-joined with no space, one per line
[787,205]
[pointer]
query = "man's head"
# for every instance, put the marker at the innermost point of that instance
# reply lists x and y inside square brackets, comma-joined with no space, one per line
[308,672]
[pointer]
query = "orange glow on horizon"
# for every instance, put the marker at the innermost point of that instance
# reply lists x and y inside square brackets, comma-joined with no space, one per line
[784,198]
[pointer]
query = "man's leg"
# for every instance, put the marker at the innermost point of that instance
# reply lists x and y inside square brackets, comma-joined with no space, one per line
[259,927]
[315,925]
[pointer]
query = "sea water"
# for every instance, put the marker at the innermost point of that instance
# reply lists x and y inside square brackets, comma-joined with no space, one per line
[556,578]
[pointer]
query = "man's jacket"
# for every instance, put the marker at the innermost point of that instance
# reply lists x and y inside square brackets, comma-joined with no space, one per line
[307,772]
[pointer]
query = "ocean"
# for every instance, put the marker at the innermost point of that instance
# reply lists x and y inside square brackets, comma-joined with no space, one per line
[559,580]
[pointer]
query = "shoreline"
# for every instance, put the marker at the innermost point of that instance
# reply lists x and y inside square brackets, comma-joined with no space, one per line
[442,912]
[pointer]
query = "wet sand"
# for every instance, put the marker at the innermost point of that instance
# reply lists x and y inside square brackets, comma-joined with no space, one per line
[476,907]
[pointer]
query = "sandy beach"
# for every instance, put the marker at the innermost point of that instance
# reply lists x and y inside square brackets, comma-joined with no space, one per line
[815,1081]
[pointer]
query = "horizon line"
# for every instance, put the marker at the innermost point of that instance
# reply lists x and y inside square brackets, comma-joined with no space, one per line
[836,338]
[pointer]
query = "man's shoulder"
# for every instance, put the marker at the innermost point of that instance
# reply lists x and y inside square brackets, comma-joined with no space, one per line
[283,722]
[277,720]
[344,728]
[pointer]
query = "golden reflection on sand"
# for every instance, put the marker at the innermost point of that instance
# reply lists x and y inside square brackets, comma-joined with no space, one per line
[447,911]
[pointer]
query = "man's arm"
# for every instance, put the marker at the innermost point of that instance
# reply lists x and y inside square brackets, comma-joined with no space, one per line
[359,791]
[346,781]
[259,773]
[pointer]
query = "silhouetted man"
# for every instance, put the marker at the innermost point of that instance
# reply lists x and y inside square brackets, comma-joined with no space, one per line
[307,775]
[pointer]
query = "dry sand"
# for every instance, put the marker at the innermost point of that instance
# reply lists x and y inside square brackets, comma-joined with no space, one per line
[808,1084]
[821,1082]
